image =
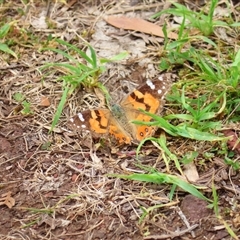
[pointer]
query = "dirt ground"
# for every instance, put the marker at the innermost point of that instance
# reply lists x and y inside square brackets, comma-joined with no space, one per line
[57,185]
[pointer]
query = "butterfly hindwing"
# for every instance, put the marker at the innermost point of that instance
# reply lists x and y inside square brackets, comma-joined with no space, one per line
[100,121]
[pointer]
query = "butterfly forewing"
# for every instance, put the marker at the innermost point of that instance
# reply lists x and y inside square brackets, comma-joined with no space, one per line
[92,120]
[148,97]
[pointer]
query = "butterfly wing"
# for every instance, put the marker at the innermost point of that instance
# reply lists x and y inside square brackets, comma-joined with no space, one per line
[148,97]
[96,120]
[100,121]
[117,123]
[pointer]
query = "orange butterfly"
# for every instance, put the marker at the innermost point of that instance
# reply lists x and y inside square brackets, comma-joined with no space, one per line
[118,121]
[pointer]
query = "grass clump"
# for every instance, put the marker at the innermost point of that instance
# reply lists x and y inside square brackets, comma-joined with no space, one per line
[4,41]
[84,69]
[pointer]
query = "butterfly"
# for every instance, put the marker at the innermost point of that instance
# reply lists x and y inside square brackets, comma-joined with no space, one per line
[117,121]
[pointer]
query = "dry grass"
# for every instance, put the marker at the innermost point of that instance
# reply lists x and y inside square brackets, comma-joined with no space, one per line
[61,181]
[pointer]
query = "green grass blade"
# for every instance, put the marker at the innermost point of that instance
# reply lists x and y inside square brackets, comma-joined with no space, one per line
[162,141]
[81,53]
[4,30]
[181,130]
[4,48]
[61,52]
[163,178]
[93,56]
[68,68]
[236,61]
[60,108]
[195,134]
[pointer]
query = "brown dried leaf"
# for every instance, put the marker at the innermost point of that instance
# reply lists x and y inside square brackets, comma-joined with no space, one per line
[7,200]
[190,171]
[137,24]
[44,102]
[233,142]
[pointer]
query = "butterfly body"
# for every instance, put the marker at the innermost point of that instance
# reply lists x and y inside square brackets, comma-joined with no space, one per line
[117,122]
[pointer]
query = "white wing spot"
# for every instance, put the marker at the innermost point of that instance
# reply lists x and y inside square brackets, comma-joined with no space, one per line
[150,84]
[71,120]
[160,91]
[80,116]
[83,126]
